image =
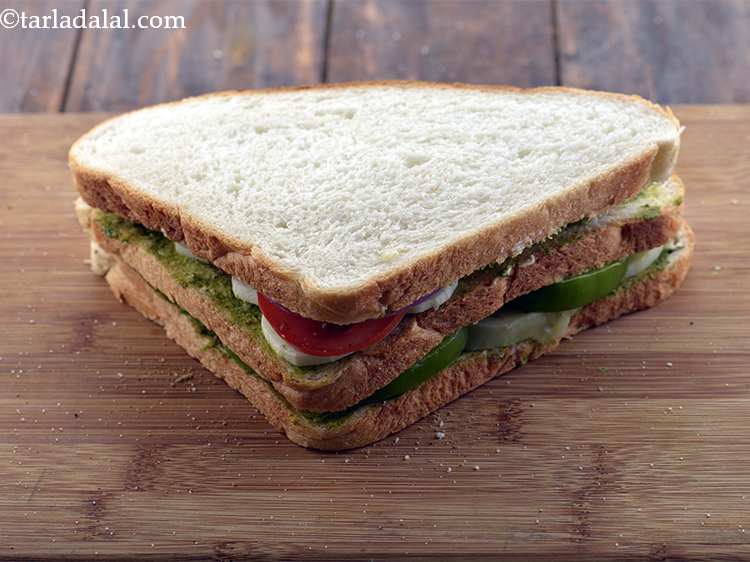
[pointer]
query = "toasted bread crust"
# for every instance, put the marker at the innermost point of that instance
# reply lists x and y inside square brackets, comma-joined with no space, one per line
[375,422]
[409,282]
[348,381]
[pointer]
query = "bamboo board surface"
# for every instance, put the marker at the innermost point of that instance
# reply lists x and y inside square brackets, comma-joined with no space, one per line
[630,442]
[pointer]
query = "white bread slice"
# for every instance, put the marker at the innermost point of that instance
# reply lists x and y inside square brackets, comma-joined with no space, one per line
[338,385]
[371,423]
[344,201]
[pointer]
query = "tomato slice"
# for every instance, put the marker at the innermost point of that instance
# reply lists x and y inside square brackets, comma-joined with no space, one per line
[323,338]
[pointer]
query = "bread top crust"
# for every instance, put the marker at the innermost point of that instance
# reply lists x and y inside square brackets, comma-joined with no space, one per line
[407,280]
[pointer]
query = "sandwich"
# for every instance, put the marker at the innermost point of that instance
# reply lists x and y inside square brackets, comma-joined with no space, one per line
[353,257]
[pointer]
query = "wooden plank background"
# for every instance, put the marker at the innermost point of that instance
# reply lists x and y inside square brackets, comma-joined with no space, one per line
[672,51]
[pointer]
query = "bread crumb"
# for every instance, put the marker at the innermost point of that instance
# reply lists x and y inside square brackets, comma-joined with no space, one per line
[181,378]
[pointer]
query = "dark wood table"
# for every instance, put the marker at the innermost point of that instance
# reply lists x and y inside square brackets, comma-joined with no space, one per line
[671,51]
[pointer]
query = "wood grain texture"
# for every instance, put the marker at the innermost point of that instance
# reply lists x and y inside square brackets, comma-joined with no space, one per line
[630,442]
[443,40]
[668,51]
[34,63]
[224,45]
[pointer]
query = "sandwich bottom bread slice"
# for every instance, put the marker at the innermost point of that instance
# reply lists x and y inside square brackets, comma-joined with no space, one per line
[385,413]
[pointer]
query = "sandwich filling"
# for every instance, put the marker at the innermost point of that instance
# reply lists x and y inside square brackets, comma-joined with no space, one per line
[303,342]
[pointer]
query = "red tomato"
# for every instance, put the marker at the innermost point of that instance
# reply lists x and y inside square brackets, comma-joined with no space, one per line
[322,338]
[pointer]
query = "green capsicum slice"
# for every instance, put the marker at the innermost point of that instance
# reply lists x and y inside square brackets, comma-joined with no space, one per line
[573,292]
[427,367]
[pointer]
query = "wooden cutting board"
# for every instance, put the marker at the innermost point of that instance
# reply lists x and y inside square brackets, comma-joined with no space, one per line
[630,442]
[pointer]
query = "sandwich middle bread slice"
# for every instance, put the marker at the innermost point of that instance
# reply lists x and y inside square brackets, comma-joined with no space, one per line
[352,269]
